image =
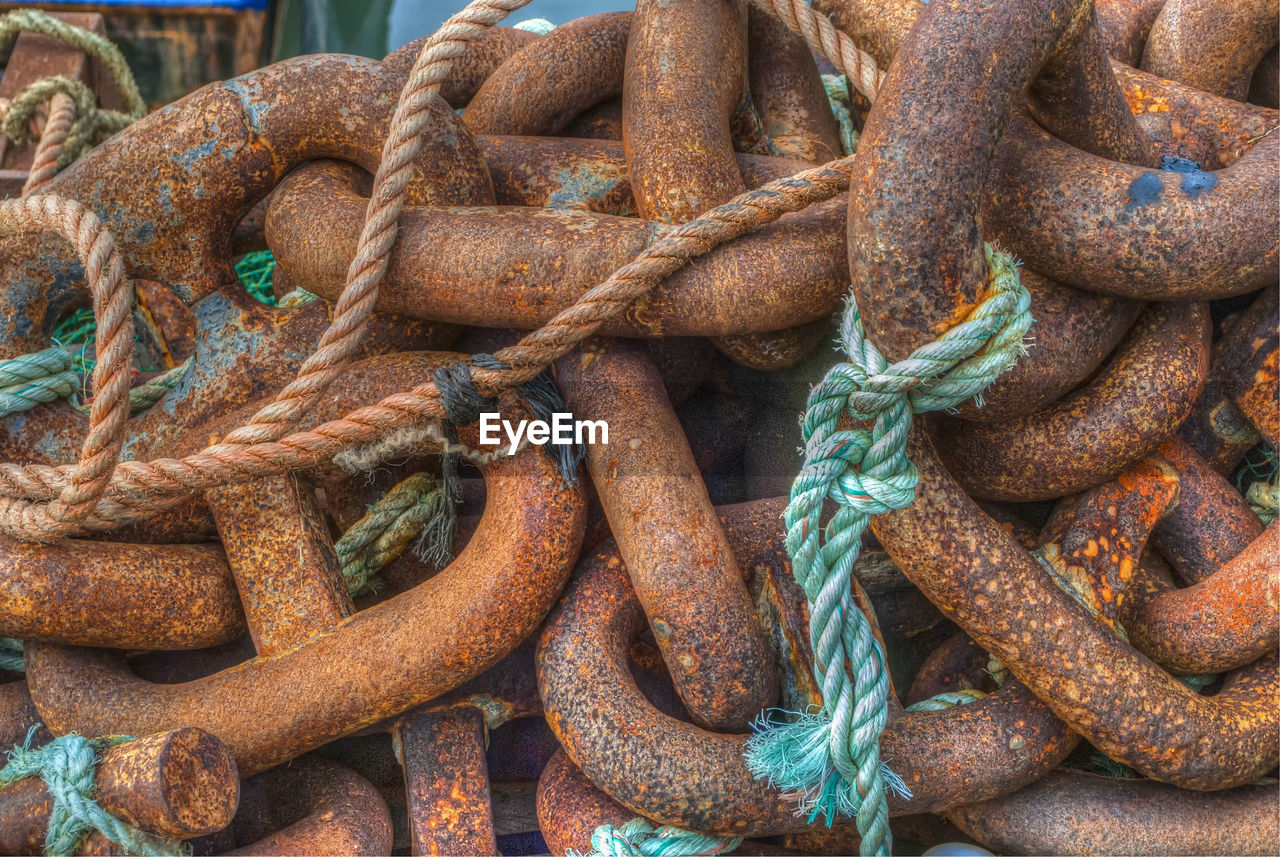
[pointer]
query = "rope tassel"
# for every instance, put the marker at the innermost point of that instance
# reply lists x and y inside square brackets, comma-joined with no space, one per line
[829,759]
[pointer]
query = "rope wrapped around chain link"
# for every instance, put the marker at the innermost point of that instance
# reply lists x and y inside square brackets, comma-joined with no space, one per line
[831,758]
[69,765]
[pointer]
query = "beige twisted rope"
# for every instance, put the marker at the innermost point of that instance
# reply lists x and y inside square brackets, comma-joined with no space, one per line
[821,35]
[112,306]
[141,489]
[44,163]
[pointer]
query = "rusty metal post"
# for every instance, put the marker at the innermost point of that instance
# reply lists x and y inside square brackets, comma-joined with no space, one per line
[446,781]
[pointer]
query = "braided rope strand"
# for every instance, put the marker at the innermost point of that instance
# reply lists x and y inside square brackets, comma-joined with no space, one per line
[112,300]
[92,44]
[831,759]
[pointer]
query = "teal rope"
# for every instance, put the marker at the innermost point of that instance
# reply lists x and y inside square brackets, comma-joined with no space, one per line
[11,655]
[257,273]
[148,393]
[837,88]
[831,757]
[68,766]
[640,837]
[31,379]
[947,699]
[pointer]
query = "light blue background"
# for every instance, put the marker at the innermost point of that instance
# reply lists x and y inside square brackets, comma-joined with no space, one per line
[410,19]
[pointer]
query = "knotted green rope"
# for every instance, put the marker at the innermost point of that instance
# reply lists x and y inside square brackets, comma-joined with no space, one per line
[413,508]
[68,766]
[92,123]
[831,758]
[640,837]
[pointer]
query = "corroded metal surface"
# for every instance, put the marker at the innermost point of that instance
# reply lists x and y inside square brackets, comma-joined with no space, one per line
[271,709]
[1212,46]
[446,782]
[211,156]
[680,774]
[1124,25]
[517,267]
[570,808]
[279,550]
[679,558]
[1229,619]
[1244,375]
[122,596]
[311,806]
[1137,232]
[548,84]
[788,93]
[1112,694]
[1093,434]
[1071,812]
[469,72]
[1211,522]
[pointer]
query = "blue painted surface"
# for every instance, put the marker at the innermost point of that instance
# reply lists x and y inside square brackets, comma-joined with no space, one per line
[1195,181]
[1144,190]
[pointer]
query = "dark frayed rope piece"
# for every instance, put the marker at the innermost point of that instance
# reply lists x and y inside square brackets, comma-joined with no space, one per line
[463,404]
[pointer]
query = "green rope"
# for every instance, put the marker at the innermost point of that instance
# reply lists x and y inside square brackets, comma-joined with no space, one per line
[68,766]
[640,837]
[11,655]
[947,699]
[31,379]
[831,757]
[415,507]
[837,87]
[92,124]
[149,392]
[257,273]
[1258,479]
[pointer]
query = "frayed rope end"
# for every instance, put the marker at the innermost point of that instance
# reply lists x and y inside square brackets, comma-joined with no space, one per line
[794,756]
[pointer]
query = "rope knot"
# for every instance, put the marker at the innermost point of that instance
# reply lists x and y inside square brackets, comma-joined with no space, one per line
[830,760]
[69,766]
